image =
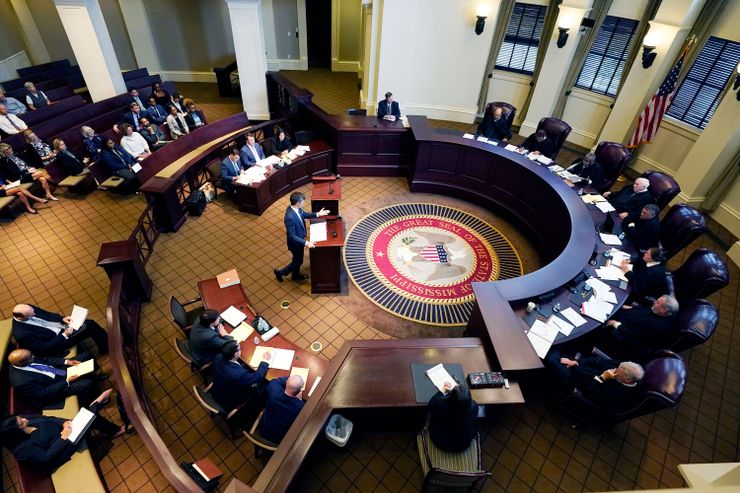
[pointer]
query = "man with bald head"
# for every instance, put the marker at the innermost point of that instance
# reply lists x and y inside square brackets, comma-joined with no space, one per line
[43,382]
[638,331]
[49,334]
[284,402]
[632,198]
[494,125]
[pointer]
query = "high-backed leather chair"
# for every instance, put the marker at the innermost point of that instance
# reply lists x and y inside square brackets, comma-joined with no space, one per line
[613,157]
[703,273]
[681,225]
[509,110]
[557,130]
[663,188]
[695,323]
[661,388]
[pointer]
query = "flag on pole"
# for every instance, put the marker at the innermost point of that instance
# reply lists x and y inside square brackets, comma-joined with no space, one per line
[650,118]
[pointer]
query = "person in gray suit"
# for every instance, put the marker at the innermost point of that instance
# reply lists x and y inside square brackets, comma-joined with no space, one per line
[207,337]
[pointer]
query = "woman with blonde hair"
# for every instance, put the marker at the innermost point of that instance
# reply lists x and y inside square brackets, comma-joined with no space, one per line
[14,168]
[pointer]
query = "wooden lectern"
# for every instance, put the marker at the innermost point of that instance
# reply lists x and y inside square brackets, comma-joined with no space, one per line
[326,258]
[326,193]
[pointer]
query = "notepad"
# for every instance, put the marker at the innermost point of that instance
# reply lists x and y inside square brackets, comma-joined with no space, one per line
[80,423]
[82,369]
[242,332]
[317,232]
[233,316]
[541,337]
[303,372]
[573,317]
[228,278]
[604,207]
[439,377]
[280,359]
[610,239]
[78,317]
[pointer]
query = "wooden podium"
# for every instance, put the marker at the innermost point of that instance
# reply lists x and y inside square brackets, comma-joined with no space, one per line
[326,258]
[326,193]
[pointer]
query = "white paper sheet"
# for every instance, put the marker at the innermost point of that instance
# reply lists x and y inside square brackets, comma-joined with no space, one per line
[82,369]
[78,317]
[566,175]
[510,147]
[541,336]
[565,327]
[605,207]
[609,239]
[136,167]
[317,232]
[611,273]
[80,423]
[592,198]
[280,359]
[468,136]
[543,160]
[600,288]
[13,184]
[597,309]
[313,387]
[439,376]
[233,316]
[242,332]
[555,168]
[573,317]
[482,139]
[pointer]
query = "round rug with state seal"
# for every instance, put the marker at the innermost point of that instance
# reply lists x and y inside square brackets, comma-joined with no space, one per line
[418,260]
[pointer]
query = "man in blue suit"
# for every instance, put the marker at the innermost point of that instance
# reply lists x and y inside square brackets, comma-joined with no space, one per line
[251,152]
[284,403]
[233,384]
[389,109]
[231,167]
[295,229]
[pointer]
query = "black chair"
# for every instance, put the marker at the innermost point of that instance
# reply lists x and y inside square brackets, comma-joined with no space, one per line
[695,324]
[509,110]
[703,273]
[681,225]
[184,318]
[182,347]
[663,188]
[226,420]
[557,130]
[614,158]
[267,146]
[356,112]
[303,137]
[260,442]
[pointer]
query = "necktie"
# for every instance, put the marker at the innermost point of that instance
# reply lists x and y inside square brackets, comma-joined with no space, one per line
[236,167]
[12,122]
[159,115]
[49,369]
[179,125]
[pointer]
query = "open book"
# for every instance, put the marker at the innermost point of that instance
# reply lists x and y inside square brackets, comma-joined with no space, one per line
[79,315]
[440,376]
[80,424]
[280,359]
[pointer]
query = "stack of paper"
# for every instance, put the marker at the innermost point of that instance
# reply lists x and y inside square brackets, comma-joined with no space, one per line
[565,327]
[592,198]
[513,148]
[573,317]
[280,359]
[611,273]
[597,309]
[233,316]
[540,159]
[604,207]
[242,332]
[610,239]
[268,161]
[440,376]
[481,139]
[253,174]
[602,290]
[618,256]
[541,336]
[468,136]
[82,369]
[567,175]
[555,168]
[317,232]
[78,317]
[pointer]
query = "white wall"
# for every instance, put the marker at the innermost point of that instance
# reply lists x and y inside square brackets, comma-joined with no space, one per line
[420,57]
[346,32]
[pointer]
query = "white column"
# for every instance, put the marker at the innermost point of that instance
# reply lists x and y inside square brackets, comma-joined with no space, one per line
[556,64]
[88,35]
[249,45]
[367,34]
[31,36]
[667,33]
[140,34]
[302,34]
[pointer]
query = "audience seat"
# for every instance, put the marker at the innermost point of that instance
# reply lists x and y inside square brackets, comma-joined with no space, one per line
[183,318]
[104,178]
[661,388]
[694,325]
[33,118]
[450,471]
[614,158]
[681,225]
[703,273]
[225,420]
[663,188]
[509,111]
[557,130]
[303,137]
[260,443]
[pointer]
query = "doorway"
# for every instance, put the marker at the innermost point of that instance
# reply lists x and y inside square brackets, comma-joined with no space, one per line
[318,37]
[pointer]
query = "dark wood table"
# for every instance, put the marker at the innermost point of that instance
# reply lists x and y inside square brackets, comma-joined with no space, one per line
[257,197]
[221,298]
[326,258]
[326,194]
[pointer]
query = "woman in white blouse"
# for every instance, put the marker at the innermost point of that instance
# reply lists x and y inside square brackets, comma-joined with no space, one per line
[176,123]
[134,143]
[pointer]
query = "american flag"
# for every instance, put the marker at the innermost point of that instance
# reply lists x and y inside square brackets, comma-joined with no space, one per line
[652,115]
[434,253]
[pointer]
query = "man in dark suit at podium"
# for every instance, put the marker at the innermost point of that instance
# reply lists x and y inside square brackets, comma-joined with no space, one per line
[389,109]
[295,229]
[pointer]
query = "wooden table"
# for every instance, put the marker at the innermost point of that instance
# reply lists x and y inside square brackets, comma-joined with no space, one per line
[326,258]
[220,299]
[257,197]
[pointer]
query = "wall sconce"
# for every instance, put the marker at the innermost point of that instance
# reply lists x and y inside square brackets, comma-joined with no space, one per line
[481,13]
[648,50]
[563,36]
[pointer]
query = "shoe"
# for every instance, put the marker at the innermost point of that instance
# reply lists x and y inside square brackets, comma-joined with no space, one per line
[99,377]
[300,277]
[278,275]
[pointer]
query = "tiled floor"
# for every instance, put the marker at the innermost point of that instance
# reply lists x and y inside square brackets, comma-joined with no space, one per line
[49,260]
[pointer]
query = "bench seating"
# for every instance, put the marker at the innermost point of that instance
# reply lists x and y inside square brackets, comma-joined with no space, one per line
[48,85]
[73,76]
[135,74]
[43,67]
[35,117]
